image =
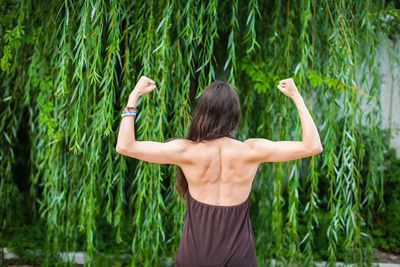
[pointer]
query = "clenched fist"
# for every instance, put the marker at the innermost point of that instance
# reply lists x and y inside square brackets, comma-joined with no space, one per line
[288,87]
[144,86]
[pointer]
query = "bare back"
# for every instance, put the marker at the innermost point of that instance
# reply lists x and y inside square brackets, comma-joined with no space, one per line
[219,173]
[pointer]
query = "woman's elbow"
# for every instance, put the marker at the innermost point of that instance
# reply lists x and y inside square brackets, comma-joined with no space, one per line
[317,149]
[131,150]
[121,149]
[118,150]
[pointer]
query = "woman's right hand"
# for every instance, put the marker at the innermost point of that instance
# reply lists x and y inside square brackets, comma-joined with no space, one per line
[144,86]
[288,87]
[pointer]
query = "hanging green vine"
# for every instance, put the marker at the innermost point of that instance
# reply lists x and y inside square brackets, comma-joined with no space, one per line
[67,68]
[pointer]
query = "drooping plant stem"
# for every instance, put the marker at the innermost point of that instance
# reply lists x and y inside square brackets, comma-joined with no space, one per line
[67,68]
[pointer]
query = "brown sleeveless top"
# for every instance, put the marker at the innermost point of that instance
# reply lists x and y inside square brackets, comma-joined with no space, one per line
[216,236]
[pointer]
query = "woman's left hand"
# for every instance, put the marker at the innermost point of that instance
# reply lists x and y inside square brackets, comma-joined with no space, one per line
[144,86]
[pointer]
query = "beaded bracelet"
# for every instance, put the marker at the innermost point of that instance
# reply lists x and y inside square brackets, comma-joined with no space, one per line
[129,111]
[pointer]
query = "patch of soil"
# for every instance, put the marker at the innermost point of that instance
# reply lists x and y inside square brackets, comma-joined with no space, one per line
[386,257]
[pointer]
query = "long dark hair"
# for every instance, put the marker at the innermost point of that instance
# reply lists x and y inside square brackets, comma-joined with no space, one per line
[217,115]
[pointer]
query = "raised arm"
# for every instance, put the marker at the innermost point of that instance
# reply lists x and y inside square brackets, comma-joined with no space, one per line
[264,150]
[172,152]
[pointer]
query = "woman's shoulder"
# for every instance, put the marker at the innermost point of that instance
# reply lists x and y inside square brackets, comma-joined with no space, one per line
[252,141]
[180,142]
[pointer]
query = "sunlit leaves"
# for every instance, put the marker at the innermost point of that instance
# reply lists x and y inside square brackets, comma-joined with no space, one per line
[12,41]
[68,76]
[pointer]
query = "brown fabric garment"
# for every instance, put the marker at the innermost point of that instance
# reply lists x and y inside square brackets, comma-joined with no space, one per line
[216,236]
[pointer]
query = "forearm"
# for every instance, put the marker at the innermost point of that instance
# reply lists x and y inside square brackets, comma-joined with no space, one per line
[310,134]
[126,134]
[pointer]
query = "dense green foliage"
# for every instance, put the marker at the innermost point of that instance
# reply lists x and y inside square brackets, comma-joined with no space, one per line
[67,68]
[387,222]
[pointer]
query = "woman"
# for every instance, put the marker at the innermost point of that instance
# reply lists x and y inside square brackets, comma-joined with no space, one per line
[216,171]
